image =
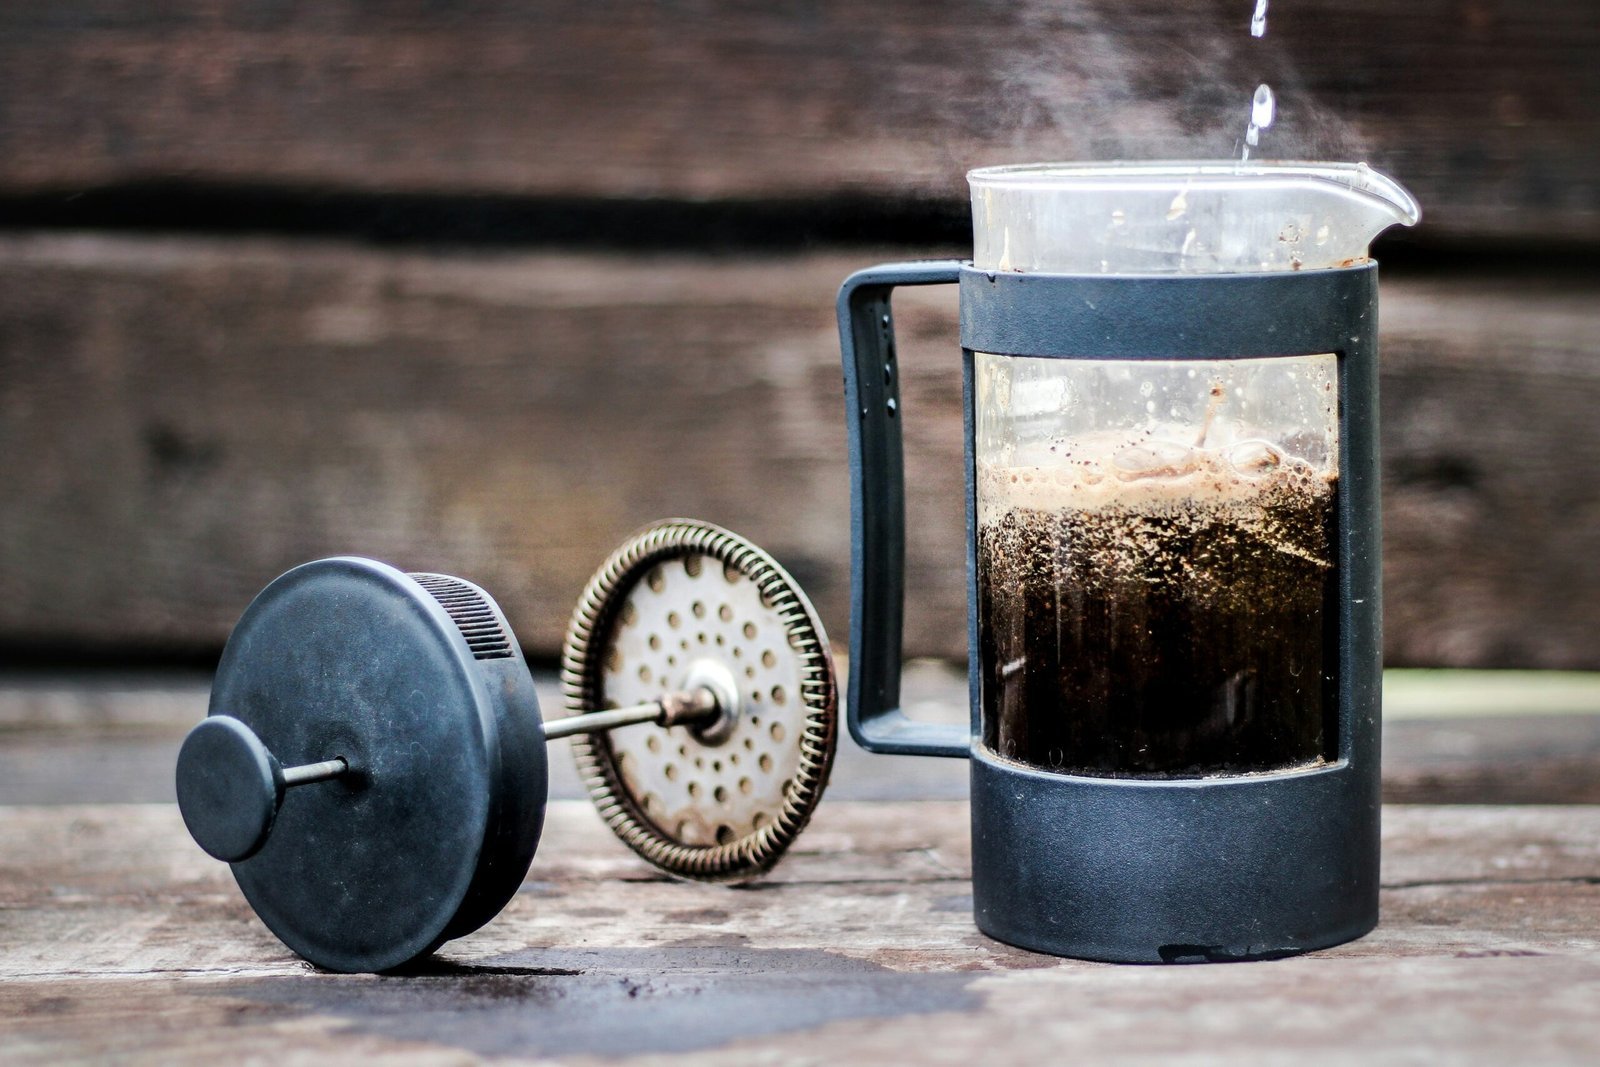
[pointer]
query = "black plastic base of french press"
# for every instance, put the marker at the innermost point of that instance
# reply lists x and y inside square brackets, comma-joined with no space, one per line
[1180,871]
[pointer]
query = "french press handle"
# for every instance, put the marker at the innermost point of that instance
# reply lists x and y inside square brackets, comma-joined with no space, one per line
[878,514]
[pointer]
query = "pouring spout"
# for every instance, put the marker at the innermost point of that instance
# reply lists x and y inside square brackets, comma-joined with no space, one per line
[1391,203]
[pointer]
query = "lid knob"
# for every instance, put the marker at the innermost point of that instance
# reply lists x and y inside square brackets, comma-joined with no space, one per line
[230,787]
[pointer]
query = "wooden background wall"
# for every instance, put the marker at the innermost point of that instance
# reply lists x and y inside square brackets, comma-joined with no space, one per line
[482,286]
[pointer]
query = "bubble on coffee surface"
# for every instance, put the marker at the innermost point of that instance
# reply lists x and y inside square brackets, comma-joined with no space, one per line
[1154,459]
[1254,458]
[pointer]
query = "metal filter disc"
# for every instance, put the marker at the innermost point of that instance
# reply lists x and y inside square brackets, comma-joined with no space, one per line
[684,604]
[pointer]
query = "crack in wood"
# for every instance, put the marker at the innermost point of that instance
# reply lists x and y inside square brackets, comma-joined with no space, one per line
[433,967]
[1582,879]
[797,884]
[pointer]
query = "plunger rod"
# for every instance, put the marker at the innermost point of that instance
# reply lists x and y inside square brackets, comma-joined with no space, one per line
[307,773]
[670,709]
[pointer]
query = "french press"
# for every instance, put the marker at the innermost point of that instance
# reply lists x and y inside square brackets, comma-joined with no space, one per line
[399,711]
[1170,385]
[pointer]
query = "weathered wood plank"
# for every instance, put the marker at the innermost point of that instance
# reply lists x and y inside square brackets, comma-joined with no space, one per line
[183,420]
[124,941]
[74,741]
[1486,550]
[1491,110]
[1507,759]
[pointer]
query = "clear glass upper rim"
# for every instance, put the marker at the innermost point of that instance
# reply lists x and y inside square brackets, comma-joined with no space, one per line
[1216,173]
[1159,170]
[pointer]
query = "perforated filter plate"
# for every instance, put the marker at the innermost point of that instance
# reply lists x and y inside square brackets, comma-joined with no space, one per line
[684,604]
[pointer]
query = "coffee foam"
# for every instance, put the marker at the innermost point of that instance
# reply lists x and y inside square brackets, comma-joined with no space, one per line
[1147,469]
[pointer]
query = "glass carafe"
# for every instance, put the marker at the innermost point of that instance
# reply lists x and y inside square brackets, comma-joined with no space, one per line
[1156,574]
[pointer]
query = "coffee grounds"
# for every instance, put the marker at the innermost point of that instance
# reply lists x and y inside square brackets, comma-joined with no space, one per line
[1165,630]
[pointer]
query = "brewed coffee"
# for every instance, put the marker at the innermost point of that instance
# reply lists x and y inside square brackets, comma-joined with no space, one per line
[1148,609]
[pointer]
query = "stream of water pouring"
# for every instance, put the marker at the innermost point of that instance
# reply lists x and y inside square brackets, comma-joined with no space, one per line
[1262,104]
[1258,21]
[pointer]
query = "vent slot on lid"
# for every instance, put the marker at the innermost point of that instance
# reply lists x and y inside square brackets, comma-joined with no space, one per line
[471,613]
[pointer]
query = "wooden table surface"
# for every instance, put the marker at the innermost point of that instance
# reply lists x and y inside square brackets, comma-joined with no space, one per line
[121,941]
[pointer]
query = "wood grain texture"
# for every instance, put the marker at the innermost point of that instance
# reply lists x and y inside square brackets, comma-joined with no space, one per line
[1503,759]
[182,420]
[1490,438]
[124,941]
[1489,109]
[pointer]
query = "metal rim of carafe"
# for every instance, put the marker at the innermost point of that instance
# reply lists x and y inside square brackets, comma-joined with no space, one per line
[581,667]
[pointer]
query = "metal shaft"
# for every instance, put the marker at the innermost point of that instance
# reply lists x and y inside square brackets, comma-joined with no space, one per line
[670,709]
[307,773]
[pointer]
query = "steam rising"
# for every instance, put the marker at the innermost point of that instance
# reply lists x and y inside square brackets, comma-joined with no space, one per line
[1100,80]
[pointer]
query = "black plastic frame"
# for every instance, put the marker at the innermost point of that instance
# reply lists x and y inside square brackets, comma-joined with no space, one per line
[1137,870]
[431,830]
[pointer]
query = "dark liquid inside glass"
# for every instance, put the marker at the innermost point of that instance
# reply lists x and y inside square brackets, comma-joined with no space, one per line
[1162,634]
